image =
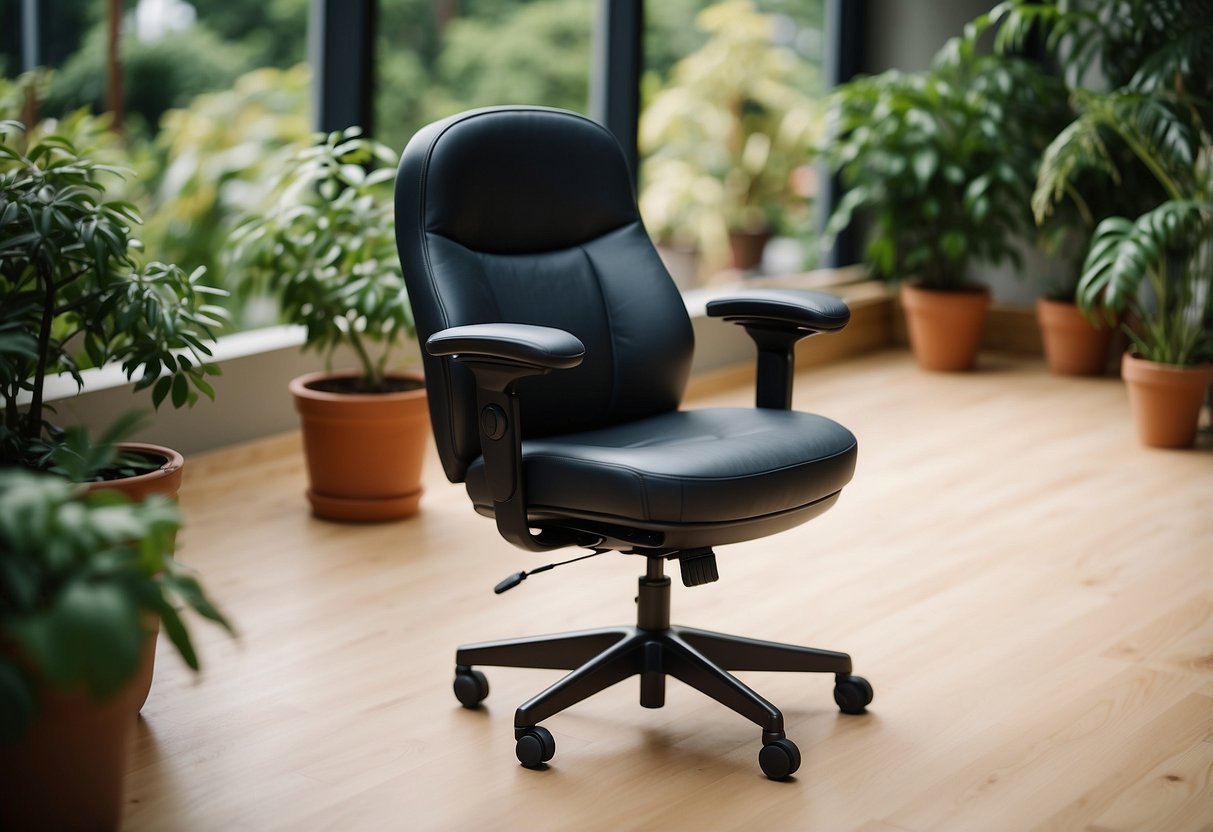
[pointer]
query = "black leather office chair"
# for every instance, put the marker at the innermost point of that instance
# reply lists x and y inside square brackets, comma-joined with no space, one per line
[556,353]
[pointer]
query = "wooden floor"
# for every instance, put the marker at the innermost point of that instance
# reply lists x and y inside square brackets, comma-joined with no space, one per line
[1029,591]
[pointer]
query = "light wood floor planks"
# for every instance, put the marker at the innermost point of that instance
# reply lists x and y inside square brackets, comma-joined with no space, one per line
[1029,591]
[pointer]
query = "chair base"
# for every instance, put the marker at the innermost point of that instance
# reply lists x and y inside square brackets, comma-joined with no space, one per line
[652,650]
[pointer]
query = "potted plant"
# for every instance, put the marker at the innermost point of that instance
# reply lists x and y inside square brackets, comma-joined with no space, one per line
[942,164]
[1076,341]
[73,295]
[1156,263]
[82,576]
[327,251]
[724,139]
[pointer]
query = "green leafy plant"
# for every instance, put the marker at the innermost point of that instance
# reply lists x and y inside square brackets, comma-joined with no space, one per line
[1168,249]
[81,576]
[942,162]
[1156,260]
[74,294]
[327,251]
[723,139]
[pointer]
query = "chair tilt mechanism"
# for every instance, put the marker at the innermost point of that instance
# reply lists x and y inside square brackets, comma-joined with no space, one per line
[556,352]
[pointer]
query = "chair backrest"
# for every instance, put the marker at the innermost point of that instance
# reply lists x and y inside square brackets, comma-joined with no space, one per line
[527,215]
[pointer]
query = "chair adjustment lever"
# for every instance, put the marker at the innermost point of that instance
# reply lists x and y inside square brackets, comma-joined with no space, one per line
[698,567]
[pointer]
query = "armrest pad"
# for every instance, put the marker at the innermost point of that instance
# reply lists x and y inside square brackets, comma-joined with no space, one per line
[523,344]
[799,309]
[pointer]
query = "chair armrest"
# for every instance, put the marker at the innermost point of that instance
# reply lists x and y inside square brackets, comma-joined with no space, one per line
[499,356]
[776,319]
[521,344]
[801,310]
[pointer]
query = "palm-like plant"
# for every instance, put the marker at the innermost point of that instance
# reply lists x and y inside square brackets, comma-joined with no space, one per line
[1159,263]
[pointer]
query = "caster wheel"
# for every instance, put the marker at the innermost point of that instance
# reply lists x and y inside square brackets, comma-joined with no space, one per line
[780,759]
[471,687]
[853,694]
[535,746]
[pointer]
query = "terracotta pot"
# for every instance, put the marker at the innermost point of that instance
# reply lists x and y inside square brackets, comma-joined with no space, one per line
[945,327]
[1074,346]
[165,481]
[1165,400]
[746,248]
[67,772]
[364,450]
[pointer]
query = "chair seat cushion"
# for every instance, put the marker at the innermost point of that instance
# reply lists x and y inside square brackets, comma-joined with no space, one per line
[700,466]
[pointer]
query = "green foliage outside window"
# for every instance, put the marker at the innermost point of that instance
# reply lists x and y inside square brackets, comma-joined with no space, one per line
[205,136]
[157,75]
[725,137]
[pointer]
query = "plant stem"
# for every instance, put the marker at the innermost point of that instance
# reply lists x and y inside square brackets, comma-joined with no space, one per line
[368,366]
[1148,160]
[12,415]
[78,303]
[33,427]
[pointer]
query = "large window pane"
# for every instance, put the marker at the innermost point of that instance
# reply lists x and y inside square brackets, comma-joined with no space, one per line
[732,105]
[440,57]
[213,93]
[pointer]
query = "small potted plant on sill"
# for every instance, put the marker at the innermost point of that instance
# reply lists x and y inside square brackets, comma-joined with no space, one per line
[82,578]
[1156,261]
[942,164]
[327,251]
[724,140]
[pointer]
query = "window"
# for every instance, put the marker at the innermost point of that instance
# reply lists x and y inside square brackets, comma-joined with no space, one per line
[212,92]
[731,107]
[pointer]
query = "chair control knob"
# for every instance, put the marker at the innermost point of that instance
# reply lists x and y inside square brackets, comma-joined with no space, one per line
[698,567]
[493,421]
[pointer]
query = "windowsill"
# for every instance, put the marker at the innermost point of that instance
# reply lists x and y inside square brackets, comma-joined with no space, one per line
[251,399]
[237,345]
[269,339]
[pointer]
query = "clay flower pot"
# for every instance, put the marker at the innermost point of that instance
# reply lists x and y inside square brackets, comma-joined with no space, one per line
[165,481]
[1074,345]
[67,772]
[364,450]
[1165,400]
[746,247]
[945,327]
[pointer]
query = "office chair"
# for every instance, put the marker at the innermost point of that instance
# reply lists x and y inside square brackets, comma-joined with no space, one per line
[556,353]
